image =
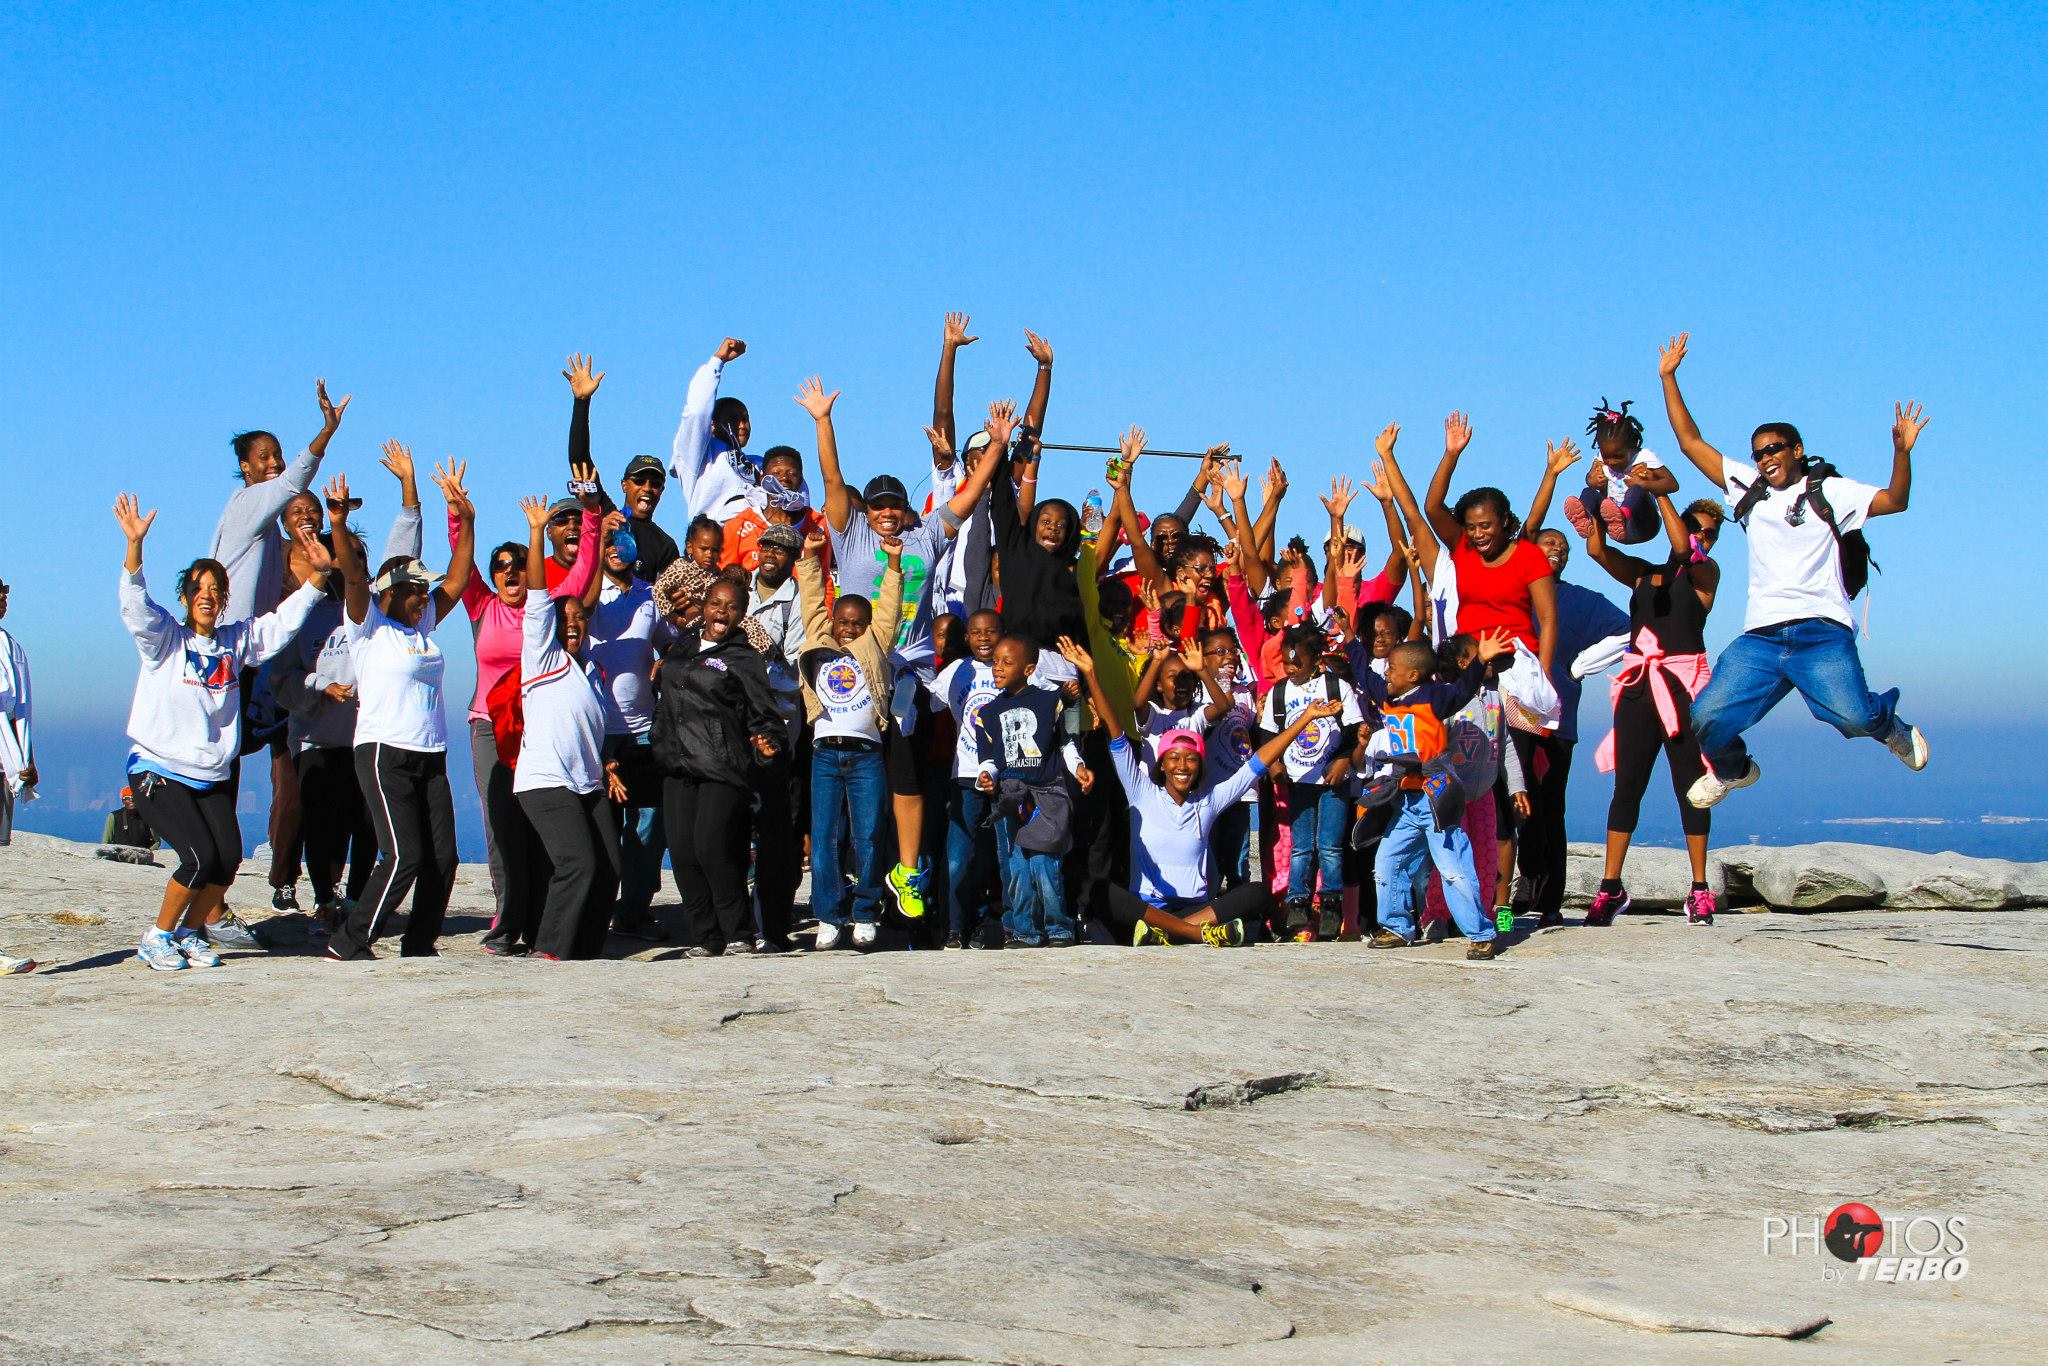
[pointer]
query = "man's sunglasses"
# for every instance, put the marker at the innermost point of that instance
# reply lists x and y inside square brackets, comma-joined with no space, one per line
[646,477]
[1771,449]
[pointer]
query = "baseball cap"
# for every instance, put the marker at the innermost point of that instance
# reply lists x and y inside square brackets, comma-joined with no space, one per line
[977,441]
[1182,738]
[885,486]
[562,505]
[404,572]
[783,537]
[645,464]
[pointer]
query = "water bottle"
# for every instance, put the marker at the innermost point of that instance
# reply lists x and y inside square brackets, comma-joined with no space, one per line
[629,549]
[1091,513]
[1504,919]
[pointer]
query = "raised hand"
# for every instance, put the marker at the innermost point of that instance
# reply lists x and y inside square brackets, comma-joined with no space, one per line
[1414,558]
[1384,444]
[1672,355]
[1132,444]
[1071,651]
[1337,501]
[731,349]
[892,546]
[1496,643]
[613,520]
[1457,434]
[536,510]
[1381,486]
[1323,710]
[581,382]
[449,480]
[1148,596]
[330,413]
[1230,474]
[337,499]
[315,554]
[956,331]
[942,449]
[1350,562]
[1908,421]
[134,522]
[1002,422]
[1233,559]
[1276,481]
[1558,459]
[813,399]
[583,472]
[1212,499]
[398,459]
[1039,347]
[814,544]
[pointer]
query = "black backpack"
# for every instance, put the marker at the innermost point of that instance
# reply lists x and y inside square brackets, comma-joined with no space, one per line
[1853,548]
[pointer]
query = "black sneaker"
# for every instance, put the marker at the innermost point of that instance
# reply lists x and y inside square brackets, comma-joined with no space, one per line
[739,946]
[698,951]
[639,925]
[991,936]
[1021,944]
[502,948]
[284,898]
[1549,919]
[1330,916]
[953,941]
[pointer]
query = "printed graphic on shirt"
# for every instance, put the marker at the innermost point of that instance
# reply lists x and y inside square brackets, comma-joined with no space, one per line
[1020,739]
[915,572]
[715,663]
[214,672]
[840,681]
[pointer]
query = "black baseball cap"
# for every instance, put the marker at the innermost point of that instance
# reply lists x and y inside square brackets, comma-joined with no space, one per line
[646,464]
[885,486]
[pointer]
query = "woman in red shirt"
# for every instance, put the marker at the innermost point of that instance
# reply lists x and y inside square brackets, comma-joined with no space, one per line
[1503,580]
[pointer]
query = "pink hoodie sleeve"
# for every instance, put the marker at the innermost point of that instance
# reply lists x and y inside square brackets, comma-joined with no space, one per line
[1251,627]
[478,591]
[584,570]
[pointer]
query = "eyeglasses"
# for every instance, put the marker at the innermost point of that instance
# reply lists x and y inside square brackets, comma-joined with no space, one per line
[506,566]
[646,477]
[1771,449]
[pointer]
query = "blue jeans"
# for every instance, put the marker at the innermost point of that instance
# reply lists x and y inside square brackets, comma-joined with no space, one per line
[1413,834]
[970,857]
[1318,828]
[1230,848]
[848,793]
[1760,667]
[1034,899]
[643,836]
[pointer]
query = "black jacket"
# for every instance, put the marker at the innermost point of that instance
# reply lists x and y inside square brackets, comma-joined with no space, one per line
[710,705]
[1041,599]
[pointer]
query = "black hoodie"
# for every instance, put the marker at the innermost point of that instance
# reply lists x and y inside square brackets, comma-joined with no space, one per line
[1041,599]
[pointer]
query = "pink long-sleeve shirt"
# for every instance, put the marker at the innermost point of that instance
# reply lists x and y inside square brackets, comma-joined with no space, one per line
[498,628]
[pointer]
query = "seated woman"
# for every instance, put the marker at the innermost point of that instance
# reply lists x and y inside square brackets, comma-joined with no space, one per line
[1171,817]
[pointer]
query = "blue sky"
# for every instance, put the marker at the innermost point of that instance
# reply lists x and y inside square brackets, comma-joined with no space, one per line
[1279,225]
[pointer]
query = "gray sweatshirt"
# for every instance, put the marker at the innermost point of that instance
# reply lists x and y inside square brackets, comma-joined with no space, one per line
[249,543]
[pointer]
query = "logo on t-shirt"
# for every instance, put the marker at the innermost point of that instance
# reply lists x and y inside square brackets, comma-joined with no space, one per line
[839,681]
[213,672]
[1309,744]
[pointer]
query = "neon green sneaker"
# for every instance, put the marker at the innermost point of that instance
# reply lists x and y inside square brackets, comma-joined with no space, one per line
[906,889]
[1228,935]
[1146,936]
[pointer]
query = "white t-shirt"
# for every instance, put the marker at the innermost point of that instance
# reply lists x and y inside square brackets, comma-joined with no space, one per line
[624,636]
[849,705]
[1309,757]
[563,701]
[1229,741]
[398,682]
[1795,572]
[964,687]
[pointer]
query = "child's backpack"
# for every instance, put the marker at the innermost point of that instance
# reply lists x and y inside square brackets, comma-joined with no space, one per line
[1853,548]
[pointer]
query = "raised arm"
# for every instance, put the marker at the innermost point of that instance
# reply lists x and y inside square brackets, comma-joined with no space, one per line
[330,423]
[1421,532]
[1220,702]
[1556,460]
[1336,502]
[1205,477]
[1144,559]
[1148,681]
[1457,436]
[957,509]
[1262,529]
[954,338]
[692,445]
[348,553]
[462,556]
[1396,569]
[1907,423]
[1704,457]
[407,536]
[583,387]
[812,398]
[1041,386]
[1084,664]
[1625,570]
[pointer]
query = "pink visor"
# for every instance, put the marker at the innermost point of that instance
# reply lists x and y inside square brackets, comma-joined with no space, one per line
[1181,739]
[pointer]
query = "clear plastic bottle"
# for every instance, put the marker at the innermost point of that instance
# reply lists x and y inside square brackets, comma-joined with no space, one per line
[1091,512]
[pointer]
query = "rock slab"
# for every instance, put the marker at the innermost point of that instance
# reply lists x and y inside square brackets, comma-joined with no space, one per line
[1669,1309]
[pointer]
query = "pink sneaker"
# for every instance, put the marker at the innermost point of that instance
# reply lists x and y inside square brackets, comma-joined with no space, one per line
[1606,906]
[1575,513]
[1615,517]
[1700,908]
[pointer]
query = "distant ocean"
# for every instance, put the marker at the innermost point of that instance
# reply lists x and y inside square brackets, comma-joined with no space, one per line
[1985,793]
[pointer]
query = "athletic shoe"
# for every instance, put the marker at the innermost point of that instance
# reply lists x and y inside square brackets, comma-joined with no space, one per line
[1503,920]
[285,898]
[1149,936]
[1708,789]
[906,891]
[1575,513]
[828,936]
[1614,517]
[1384,938]
[991,935]
[770,946]
[500,948]
[1059,941]
[1329,916]
[332,957]
[638,925]
[542,958]
[326,916]
[1435,931]
[865,932]
[14,967]
[1700,908]
[197,951]
[1908,743]
[1606,906]
[1548,920]
[953,941]
[694,951]
[232,932]
[1481,952]
[159,951]
[739,946]
[1228,935]
[1021,944]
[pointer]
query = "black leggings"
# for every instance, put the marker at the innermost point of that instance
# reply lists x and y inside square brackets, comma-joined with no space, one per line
[414,817]
[1543,851]
[334,821]
[199,827]
[779,853]
[707,849]
[1250,902]
[581,833]
[1638,735]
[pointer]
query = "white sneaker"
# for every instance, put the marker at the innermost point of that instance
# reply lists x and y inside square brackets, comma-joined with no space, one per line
[192,944]
[828,936]
[1709,790]
[1908,743]
[10,967]
[158,950]
[864,934]
[232,932]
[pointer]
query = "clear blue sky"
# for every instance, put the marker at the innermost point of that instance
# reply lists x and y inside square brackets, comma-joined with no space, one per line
[1282,226]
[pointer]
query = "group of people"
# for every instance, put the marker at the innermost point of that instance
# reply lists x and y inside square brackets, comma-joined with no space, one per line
[990,719]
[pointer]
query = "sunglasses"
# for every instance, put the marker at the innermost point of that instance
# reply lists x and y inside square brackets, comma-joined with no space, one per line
[646,477]
[506,566]
[1772,449]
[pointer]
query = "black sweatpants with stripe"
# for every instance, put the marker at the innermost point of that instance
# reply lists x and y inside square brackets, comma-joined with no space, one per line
[414,817]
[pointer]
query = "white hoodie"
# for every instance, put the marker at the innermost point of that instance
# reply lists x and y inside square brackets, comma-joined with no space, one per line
[564,708]
[712,477]
[186,720]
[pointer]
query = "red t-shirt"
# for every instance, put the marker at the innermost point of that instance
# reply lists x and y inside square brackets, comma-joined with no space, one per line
[1493,596]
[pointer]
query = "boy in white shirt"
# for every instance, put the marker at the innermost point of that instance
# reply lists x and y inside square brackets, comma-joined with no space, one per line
[1318,766]
[964,687]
